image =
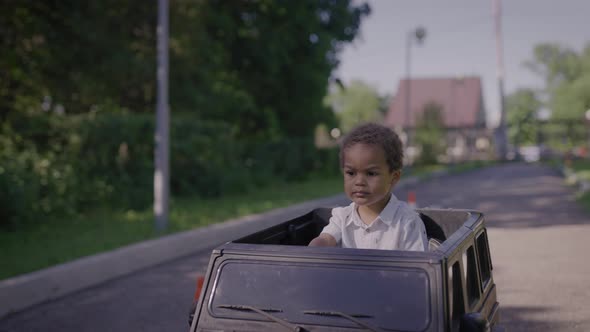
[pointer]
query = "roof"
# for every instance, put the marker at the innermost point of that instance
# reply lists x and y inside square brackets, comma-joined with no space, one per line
[461,100]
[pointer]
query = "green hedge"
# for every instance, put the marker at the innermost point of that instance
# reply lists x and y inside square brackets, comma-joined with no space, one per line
[60,165]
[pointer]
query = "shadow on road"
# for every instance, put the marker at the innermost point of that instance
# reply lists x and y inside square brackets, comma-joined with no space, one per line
[510,196]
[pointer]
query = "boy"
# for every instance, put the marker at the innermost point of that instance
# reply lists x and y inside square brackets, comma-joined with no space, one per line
[371,160]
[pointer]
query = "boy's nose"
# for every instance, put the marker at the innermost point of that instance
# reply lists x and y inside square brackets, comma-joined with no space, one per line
[360,180]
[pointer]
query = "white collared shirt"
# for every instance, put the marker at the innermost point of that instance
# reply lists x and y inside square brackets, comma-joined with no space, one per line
[398,227]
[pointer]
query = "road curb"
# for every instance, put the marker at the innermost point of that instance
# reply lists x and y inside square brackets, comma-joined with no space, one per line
[33,288]
[51,283]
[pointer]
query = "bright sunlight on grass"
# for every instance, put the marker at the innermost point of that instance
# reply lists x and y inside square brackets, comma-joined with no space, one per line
[581,168]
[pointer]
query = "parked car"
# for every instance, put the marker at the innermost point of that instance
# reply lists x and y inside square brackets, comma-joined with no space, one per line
[530,153]
[271,281]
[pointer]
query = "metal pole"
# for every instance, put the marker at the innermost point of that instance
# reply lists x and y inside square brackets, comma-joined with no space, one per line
[501,139]
[161,173]
[409,37]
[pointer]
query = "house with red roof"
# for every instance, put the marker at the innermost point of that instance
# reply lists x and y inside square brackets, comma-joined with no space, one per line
[462,113]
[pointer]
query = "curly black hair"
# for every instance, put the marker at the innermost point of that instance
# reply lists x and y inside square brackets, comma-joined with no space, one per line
[379,135]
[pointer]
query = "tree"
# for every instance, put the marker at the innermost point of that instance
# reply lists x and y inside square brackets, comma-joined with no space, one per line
[384,103]
[243,75]
[571,100]
[554,63]
[77,55]
[430,133]
[521,110]
[355,103]
[264,65]
[567,77]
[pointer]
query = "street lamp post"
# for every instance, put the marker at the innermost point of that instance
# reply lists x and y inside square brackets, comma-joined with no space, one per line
[416,35]
[161,172]
[500,132]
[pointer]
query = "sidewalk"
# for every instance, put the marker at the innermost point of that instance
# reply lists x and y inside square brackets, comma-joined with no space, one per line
[44,285]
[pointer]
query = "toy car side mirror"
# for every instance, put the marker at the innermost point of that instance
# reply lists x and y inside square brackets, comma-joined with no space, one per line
[474,322]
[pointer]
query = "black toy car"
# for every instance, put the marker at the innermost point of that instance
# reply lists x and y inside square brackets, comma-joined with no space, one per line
[271,281]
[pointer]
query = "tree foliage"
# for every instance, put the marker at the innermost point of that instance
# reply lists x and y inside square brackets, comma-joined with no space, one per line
[77,78]
[430,133]
[567,76]
[75,55]
[106,160]
[356,103]
[522,108]
[261,65]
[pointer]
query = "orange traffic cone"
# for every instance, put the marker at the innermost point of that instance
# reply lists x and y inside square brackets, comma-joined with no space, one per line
[412,199]
[200,282]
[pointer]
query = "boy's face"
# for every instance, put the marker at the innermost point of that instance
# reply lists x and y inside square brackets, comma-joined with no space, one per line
[367,178]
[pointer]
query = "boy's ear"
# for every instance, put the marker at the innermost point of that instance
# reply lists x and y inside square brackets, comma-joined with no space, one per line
[396,174]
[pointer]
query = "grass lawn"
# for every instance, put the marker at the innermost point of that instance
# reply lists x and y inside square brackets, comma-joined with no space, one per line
[582,170]
[584,199]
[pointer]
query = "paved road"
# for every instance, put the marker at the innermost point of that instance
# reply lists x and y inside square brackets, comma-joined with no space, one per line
[539,240]
[537,233]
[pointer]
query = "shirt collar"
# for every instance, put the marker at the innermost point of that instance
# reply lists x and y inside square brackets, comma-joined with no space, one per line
[386,216]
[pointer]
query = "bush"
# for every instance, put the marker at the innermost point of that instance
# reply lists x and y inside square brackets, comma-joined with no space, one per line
[59,165]
[32,183]
[15,190]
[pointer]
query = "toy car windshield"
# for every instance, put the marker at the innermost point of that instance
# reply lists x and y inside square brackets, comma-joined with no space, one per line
[392,298]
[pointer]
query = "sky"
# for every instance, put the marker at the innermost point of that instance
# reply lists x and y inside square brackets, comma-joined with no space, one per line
[460,41]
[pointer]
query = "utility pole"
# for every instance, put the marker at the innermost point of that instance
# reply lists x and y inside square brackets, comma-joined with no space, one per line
[415,35]
[500,132]
[409,38]
[161,158]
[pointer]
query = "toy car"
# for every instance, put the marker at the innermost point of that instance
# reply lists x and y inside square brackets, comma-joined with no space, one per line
[272,281]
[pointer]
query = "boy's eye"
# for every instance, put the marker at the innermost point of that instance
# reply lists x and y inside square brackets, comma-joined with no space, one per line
[349,173]
[372,173]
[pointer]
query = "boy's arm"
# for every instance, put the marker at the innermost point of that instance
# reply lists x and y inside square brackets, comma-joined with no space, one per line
[415,235]
[323,240]
[332,233]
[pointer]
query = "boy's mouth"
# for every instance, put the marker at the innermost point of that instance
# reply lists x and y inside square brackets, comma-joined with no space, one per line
[360,193]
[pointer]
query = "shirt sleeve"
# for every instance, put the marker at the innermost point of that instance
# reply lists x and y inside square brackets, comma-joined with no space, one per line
[414,234]
[335,225]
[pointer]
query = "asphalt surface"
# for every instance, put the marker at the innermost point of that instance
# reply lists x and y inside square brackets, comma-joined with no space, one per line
[538,238]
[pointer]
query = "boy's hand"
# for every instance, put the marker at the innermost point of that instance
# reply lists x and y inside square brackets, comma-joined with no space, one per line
[323,240]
